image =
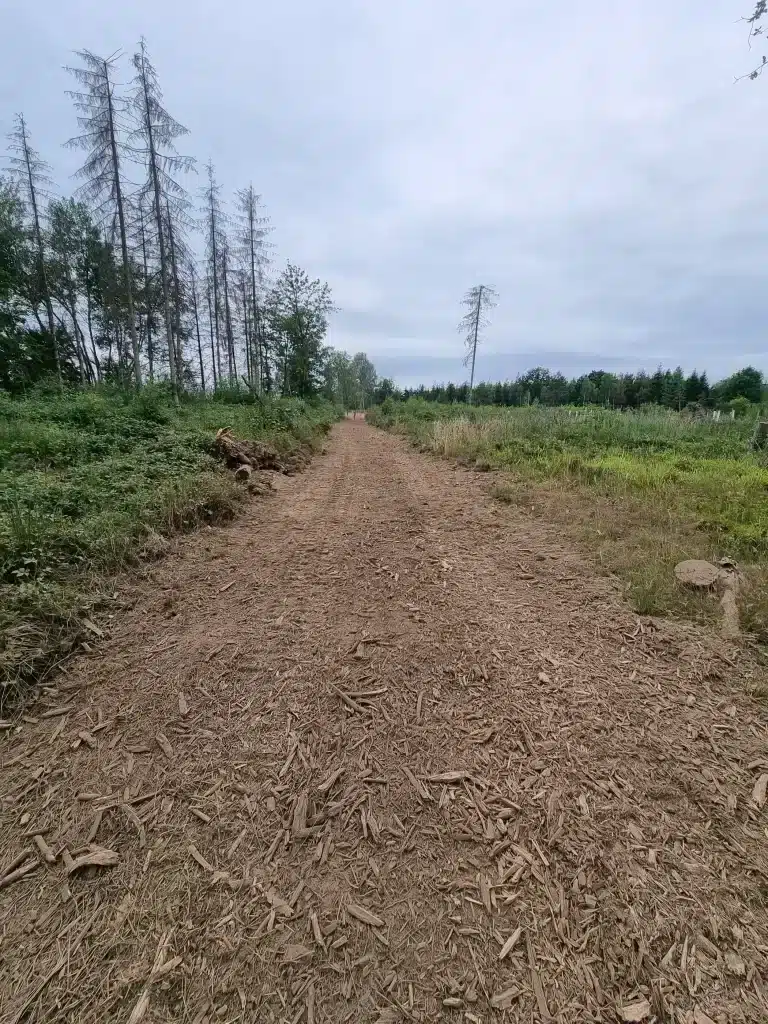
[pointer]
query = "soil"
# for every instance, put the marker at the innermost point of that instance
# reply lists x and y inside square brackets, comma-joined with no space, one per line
[384,750]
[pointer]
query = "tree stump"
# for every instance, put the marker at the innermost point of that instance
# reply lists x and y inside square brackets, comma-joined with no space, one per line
[695,572]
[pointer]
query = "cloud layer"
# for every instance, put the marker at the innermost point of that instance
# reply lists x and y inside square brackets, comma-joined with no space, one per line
[596,164]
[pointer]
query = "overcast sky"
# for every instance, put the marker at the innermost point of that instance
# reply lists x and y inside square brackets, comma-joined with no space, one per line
[593,161]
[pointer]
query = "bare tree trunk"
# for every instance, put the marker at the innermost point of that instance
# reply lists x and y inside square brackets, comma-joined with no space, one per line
[176,301]
[127,283]
[213,339]
[197,330]
[228,322]
[40,254]
[89,320]
[84,363]
[246,331]
[147,308]
[161,239]
[474,345]
[254,298]
[215,279]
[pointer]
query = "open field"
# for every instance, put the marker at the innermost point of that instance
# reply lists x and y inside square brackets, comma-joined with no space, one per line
[91,480]
[645,489]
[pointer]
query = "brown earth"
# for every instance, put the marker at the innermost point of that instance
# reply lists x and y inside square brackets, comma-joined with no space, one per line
[384,750]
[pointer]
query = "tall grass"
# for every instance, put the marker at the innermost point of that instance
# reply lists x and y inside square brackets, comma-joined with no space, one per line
[654,487]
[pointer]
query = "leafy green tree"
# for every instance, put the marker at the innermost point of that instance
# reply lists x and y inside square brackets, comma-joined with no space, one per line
[364,374]
[746,383]
[298,309]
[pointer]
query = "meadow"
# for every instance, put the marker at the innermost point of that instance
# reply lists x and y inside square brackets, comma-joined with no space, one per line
[642,489]
[93,480]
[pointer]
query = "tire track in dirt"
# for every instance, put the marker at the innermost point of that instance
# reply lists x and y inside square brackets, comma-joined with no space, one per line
[528,804]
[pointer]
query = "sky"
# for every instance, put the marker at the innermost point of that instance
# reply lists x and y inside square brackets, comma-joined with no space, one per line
[596,163]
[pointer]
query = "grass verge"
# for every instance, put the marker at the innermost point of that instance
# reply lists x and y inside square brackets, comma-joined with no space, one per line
[88,482]
[643,490]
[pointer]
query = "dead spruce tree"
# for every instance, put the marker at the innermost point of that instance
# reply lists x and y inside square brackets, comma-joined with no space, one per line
[213,225]
[103,123]
[477,301]
[31,172]
[154,139]
[253,247]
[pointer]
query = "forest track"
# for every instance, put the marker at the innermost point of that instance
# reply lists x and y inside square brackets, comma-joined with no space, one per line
[385,750]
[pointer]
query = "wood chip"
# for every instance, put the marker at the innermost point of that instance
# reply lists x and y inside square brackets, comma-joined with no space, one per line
[98,858]
[47,853]
[421,789]
[326,785]
[699,1017]
[183,705]
[165,746]
[510,944]
[364,915]
[635,1012]
[14,876]
[735,964]
[299,822]
[295,952]
[196,855]
[135,820]
[55,712]
[351,704]
[503,1000]
[449,777]
[760,789]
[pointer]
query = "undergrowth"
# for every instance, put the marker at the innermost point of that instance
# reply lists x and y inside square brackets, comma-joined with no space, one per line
[89,479]
[644,489]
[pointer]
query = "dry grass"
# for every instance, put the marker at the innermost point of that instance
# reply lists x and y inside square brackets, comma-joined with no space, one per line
[644,490]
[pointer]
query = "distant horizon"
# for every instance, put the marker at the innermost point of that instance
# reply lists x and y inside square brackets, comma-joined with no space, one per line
[624,367]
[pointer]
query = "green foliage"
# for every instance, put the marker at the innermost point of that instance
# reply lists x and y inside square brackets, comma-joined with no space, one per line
[668,485]
[86,477]
[539,386]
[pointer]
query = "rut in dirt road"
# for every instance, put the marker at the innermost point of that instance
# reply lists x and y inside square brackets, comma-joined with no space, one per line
[385,751]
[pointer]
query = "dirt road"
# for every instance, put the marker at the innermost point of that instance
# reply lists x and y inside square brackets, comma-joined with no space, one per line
[384,750]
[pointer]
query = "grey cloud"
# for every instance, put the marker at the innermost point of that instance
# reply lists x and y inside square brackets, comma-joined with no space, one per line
[598,166]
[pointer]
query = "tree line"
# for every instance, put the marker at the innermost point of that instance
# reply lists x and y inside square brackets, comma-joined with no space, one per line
[669,388]
[135,279]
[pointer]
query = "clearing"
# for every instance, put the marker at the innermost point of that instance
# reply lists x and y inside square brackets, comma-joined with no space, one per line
[386,750]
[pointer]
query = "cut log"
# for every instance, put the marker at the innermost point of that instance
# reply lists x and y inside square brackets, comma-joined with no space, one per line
[243,472]
[238,452]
